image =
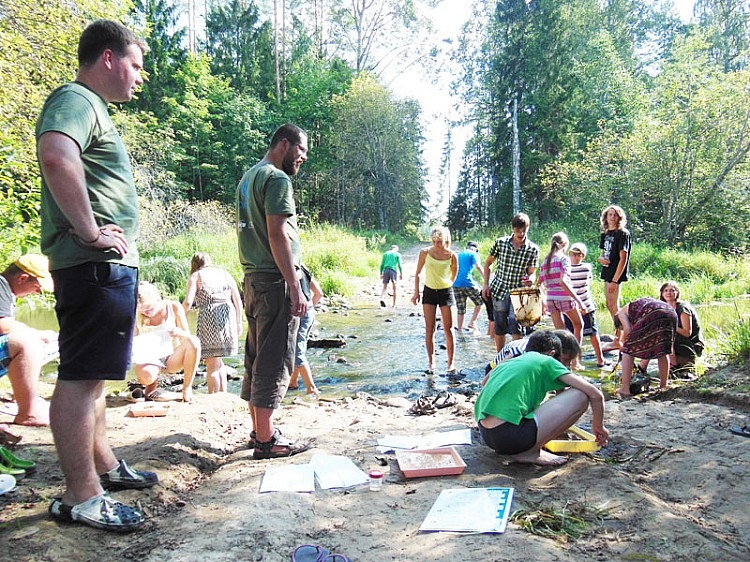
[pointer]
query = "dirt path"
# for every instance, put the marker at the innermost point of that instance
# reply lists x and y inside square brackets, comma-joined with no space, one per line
[671,486]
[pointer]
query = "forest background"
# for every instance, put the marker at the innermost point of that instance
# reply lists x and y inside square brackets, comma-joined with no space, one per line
[572,106]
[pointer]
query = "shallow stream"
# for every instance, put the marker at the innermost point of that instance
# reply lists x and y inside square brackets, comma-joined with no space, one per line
[385,350]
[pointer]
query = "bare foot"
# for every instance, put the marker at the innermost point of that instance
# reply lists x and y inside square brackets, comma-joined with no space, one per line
[32,420]
[35,415]
[540,458]
[187,395]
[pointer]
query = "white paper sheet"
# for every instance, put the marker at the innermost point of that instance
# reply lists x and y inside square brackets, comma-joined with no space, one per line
[288,478]
[445,438]
[390,443]
[470,510]
[335,471]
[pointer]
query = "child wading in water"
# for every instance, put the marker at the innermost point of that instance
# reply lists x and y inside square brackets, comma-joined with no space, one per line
[554,275]
[581,277]
[615,259]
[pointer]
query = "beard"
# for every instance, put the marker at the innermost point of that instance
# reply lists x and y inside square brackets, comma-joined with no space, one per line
[289,164]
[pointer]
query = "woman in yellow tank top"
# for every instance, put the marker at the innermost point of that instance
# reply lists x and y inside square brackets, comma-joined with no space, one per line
[440,265]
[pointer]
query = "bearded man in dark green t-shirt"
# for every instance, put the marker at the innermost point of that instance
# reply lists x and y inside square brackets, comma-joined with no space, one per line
[270,251]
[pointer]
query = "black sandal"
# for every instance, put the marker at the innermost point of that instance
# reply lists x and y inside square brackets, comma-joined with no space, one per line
[288,448]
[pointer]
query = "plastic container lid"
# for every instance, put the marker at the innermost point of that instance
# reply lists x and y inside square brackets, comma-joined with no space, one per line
[376,474]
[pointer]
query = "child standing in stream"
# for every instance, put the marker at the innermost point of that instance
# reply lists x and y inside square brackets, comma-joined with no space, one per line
[581,277]
[554,276]
[614,259]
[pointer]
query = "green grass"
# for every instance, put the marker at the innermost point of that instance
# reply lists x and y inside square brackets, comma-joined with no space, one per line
[337,257]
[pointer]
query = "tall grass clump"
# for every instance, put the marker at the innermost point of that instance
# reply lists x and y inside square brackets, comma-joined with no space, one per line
[168,273]
[170,236]
[336,256]
[734,343]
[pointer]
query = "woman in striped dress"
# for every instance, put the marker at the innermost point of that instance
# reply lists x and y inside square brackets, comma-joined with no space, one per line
[214,293]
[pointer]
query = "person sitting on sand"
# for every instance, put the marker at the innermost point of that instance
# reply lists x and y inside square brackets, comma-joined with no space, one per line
[511,413]
[22,347]
[163,341]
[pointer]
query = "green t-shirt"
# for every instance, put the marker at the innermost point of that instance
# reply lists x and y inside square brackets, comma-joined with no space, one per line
[391,260]
[81,114]
[517,387]
[264,190]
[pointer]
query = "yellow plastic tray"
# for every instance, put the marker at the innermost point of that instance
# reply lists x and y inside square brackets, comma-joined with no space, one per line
[588,445]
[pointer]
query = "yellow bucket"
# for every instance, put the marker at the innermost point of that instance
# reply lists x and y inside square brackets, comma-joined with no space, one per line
[527,305]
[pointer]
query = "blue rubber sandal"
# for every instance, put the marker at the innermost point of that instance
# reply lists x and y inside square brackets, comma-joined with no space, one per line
[309,553]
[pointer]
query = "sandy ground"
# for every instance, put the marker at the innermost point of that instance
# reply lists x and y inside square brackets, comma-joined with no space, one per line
[672,485]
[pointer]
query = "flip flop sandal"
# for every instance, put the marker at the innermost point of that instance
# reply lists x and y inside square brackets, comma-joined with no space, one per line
[8,438]
[336,558]
[444,399]
[17,473]
[9,459]
[744,430]
[309,553]
[100,512]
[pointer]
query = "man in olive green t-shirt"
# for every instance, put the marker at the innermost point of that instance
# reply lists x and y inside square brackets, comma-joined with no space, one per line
[89,217]
[269,248]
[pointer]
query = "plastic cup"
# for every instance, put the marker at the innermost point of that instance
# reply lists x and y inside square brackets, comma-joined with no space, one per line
[376,480]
